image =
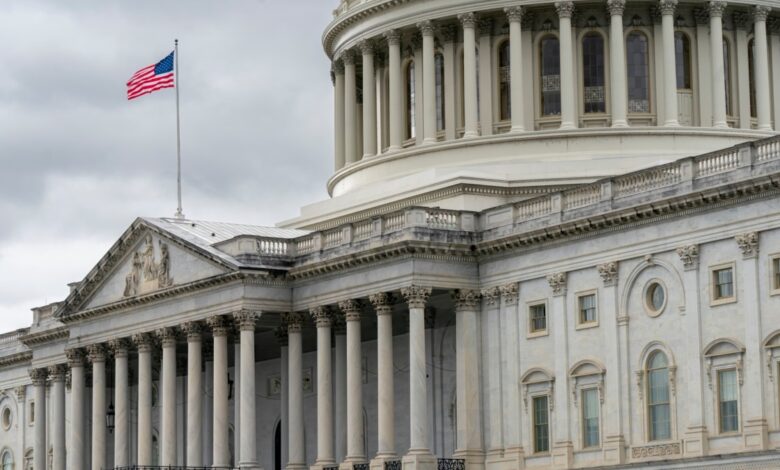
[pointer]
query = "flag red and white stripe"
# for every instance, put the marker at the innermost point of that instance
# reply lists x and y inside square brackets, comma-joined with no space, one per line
[152,78]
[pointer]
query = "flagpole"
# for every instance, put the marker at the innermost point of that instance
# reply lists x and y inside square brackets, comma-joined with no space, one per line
[179,213]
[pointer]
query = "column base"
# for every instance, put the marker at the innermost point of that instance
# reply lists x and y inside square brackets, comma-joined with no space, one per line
[721,125]
[567,126]
[621,124]
[470,134]
[510,459]
[378,462]
[517,129]
[562,455]
[674,123]
[696,443]
[613,451]
[419,459]
[350,462]
[321,464]
[257,466]
[755,435]
[367,155]
[429,140]
[475,459]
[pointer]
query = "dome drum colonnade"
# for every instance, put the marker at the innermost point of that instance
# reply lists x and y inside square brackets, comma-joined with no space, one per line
[443,90]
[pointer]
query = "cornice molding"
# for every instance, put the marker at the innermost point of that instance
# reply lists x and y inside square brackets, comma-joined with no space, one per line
[46,336]
[16,359]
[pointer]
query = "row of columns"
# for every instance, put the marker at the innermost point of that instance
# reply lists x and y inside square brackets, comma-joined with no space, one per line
[346,137]
[145,343]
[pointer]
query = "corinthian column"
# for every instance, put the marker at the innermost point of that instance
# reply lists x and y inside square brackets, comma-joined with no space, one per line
[77,399]
[419,455]
[194,331]
[167,338]
[97,356]
[322,319]
[57,377]
[429,82]
[220,330]
[667,8]
[568,98]
[145,344]
[38,377]
[355,451]
[350,108]
[385,388]
[515,17]
[121,399]
[248,449]
[338,111]
[396,89]
[369,99]
[469,22]
[716,9]
[617,58]
[295,390]
[761,72]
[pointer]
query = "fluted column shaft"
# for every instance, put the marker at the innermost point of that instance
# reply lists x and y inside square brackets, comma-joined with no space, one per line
[221,452]
[385,387]
[340,378]
[416,298]
[350,108]
[369,100]
[355,450]
[515,16]
[193,330]
[617,54]
[338,115]
[144,342]
[77,399]
[38,377]
[322,318]
[295,390]
[168,397]
[716,59]
[57,397]
[396,89]
[467,386]
[429,82]
[761,72]
[670,69]
[122,404]
[98,358]
[469,21]
[568,97]
[248,423]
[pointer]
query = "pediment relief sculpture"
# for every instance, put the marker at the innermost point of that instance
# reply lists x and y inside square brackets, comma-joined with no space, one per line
[146,273]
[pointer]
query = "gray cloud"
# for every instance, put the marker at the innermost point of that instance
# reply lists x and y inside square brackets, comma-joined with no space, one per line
[78,162]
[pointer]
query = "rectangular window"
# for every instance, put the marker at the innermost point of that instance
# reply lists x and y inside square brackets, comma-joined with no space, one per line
[538,318]
[587,308]
[590,418]
[541,424]
[32,412]
[776,273]
[727,401]
[723,283]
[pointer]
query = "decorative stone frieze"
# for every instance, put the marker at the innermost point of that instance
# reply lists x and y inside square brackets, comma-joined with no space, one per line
[75,357]
[57,373]
[96,353]
[39,376]
[322,316]
[146,273]
[716,8]
[491,295]
[509,293]
[667,7]
[382,302]
[557,283]
[616,7]
[416,296]
[393,37]
[466,299]
[167,336]
[761,13]
[689,255]
[144,342]
[564,9]
[193,330]
[748,244]
[468,20]
[119,347]
[246,320]
[659,450]
[427,28]
[514,13]
[351,309]
[609,273]
[219,325]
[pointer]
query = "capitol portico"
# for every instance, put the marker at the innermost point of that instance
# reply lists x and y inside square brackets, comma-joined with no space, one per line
[553,241]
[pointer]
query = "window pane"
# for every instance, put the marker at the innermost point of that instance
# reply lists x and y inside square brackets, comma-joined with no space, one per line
[439,59]
[660,427]
[657,297]
[752,78]
[538,318]
[776,264]
[588,308]
[727,397]
[724,284]
[410,102]
[593,73]
[590,417]
[638,73]
[658,397]
[727,75]
[551,76]
[683,61]
[541,425]
[504,81]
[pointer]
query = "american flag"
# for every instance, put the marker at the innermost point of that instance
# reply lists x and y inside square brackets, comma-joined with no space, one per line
[152,78]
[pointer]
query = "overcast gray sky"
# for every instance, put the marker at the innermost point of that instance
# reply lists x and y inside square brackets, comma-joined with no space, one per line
[78,162]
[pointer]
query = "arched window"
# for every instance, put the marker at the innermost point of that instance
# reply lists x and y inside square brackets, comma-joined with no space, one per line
[658,397]
[727,75]
[550,60]
[7,461]
[593,73]
[410,102]
[439,64]
[504,82]
[638,71]
[752,78]
[682,47]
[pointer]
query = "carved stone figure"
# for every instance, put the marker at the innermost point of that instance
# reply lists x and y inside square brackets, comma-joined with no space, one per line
[132,278]
[146,274]
[150,271]
[163,271]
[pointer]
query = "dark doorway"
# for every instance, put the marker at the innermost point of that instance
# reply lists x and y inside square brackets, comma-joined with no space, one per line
[278,447]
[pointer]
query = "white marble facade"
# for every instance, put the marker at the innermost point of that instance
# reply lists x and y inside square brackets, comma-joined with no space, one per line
[573,290]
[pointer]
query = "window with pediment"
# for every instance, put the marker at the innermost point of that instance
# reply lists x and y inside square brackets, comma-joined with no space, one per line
[656,386]
[724,377]
[538,390]
[587,386]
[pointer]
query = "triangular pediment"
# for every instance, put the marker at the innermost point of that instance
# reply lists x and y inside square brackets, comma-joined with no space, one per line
[145,260]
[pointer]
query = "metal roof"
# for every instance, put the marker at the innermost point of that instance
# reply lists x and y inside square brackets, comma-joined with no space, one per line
[211,233]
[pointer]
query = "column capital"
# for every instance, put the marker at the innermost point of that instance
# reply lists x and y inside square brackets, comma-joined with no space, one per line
[366,47]
[337,67]
[486,26]
[57,372]
[416,296]
[748,244]
[219,325]
[616,7]
[514,14]
[193,330]
[351,309]
[557,283]
[348,57]
[426,27]
[716,8]
[689,255]
[294,321]
[144,342]
[491,295]
[339,325]
[21,392]
[449,33]
[382,302]
[761,13]
[322,316]
[167,336]
[667,7]
[75,357]
[39,376]
[245,319]
[509,293]
[466,299]
[119,347]
[468,20]
[565,9]
[281,335]
[393,37]
[609,273]
[96,353]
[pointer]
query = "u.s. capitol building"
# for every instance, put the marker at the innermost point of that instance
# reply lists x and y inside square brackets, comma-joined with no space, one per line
[553,241]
